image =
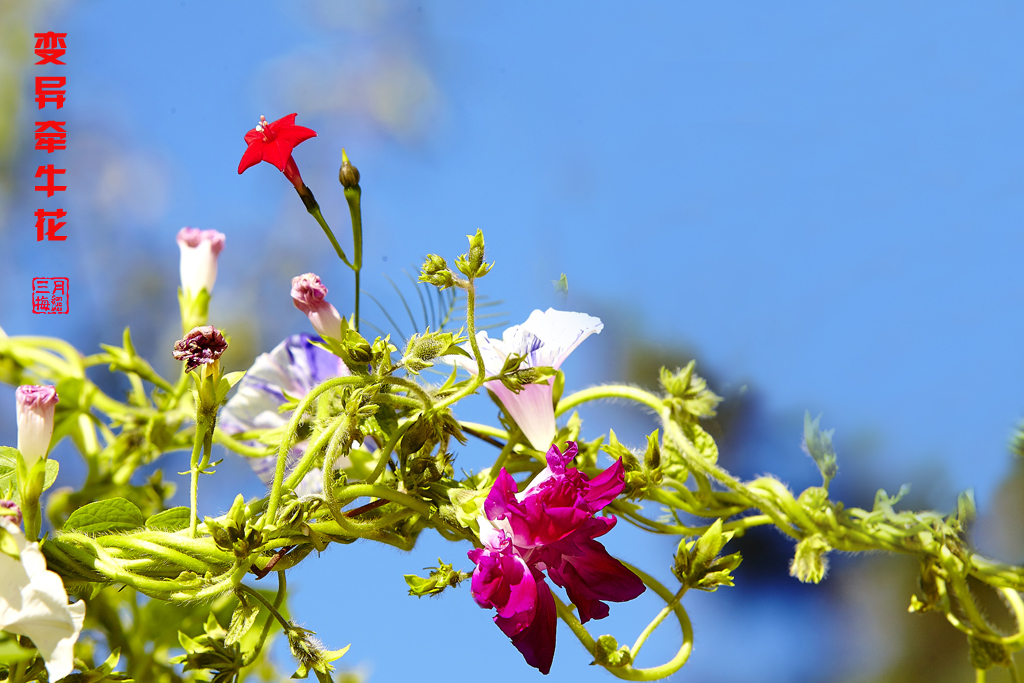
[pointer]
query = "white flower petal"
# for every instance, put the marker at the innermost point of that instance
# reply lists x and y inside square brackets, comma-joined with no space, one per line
[532,410]
[559,333]
[34,603]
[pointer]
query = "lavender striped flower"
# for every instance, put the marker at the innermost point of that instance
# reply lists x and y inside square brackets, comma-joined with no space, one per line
[289,371]
[545,339]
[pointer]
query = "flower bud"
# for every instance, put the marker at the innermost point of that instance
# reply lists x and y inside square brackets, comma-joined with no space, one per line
[309,295]
[35,421]
[199,252]
[348,175]
[202,346]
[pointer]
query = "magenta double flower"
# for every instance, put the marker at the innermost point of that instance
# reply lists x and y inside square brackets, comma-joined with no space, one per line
[550,526]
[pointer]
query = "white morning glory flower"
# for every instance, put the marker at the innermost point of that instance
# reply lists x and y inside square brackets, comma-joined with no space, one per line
[33,603]
[545,339]
[293,367]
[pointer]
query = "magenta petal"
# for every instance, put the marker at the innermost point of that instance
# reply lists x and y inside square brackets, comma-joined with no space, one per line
[501,496]
[589,574]
[557,460]
[543,519]
[606,486]
[503,580]
[536,642]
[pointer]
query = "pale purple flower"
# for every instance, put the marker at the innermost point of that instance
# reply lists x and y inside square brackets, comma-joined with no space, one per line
[34,603]
[35,407]
[199,252]
[549,526]
[545,339]
[289,371]
[308,294]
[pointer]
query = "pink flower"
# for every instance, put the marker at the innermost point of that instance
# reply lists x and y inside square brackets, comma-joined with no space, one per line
[199,252]
[309,296]
[273,143]
[35,406]
[545,339]
[550,526]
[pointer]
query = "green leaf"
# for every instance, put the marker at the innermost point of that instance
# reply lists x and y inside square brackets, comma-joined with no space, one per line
[106,516]
[172,520]
[52,467]
[11,652]
[242,620]
[8,471]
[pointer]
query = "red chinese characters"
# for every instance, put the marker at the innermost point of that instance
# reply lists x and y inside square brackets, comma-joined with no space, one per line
[50,295]
[51,136]
[50,47]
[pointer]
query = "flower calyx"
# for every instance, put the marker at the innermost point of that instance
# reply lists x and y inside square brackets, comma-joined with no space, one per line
[471,264]
[422,349]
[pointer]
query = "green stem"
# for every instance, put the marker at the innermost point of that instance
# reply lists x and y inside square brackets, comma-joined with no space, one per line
[352,196]
[282,586]
[197,447]
[378,491]
[314,210]
[289,437]
[656,622]
[304,465]
[385,454]
[492,476]
[266,603]
[481,371]
[232,443]
[611,391]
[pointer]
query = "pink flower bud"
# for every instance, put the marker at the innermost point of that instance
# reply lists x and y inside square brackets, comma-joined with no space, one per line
[35,421]
[199,252]
[308,294]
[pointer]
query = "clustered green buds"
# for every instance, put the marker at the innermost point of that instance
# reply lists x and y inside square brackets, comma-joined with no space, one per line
[442,576]
[234,532]
[472,264]
[422,349]
[698,564]
[210,652]
[689,395]
[435,271]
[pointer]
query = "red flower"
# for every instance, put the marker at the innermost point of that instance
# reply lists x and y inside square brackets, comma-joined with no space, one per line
[273,143]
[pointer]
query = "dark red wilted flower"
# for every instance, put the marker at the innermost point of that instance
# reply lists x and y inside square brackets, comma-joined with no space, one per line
[273,143]
[201,346]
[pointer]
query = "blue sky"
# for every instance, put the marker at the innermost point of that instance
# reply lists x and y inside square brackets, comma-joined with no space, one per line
[822,203]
